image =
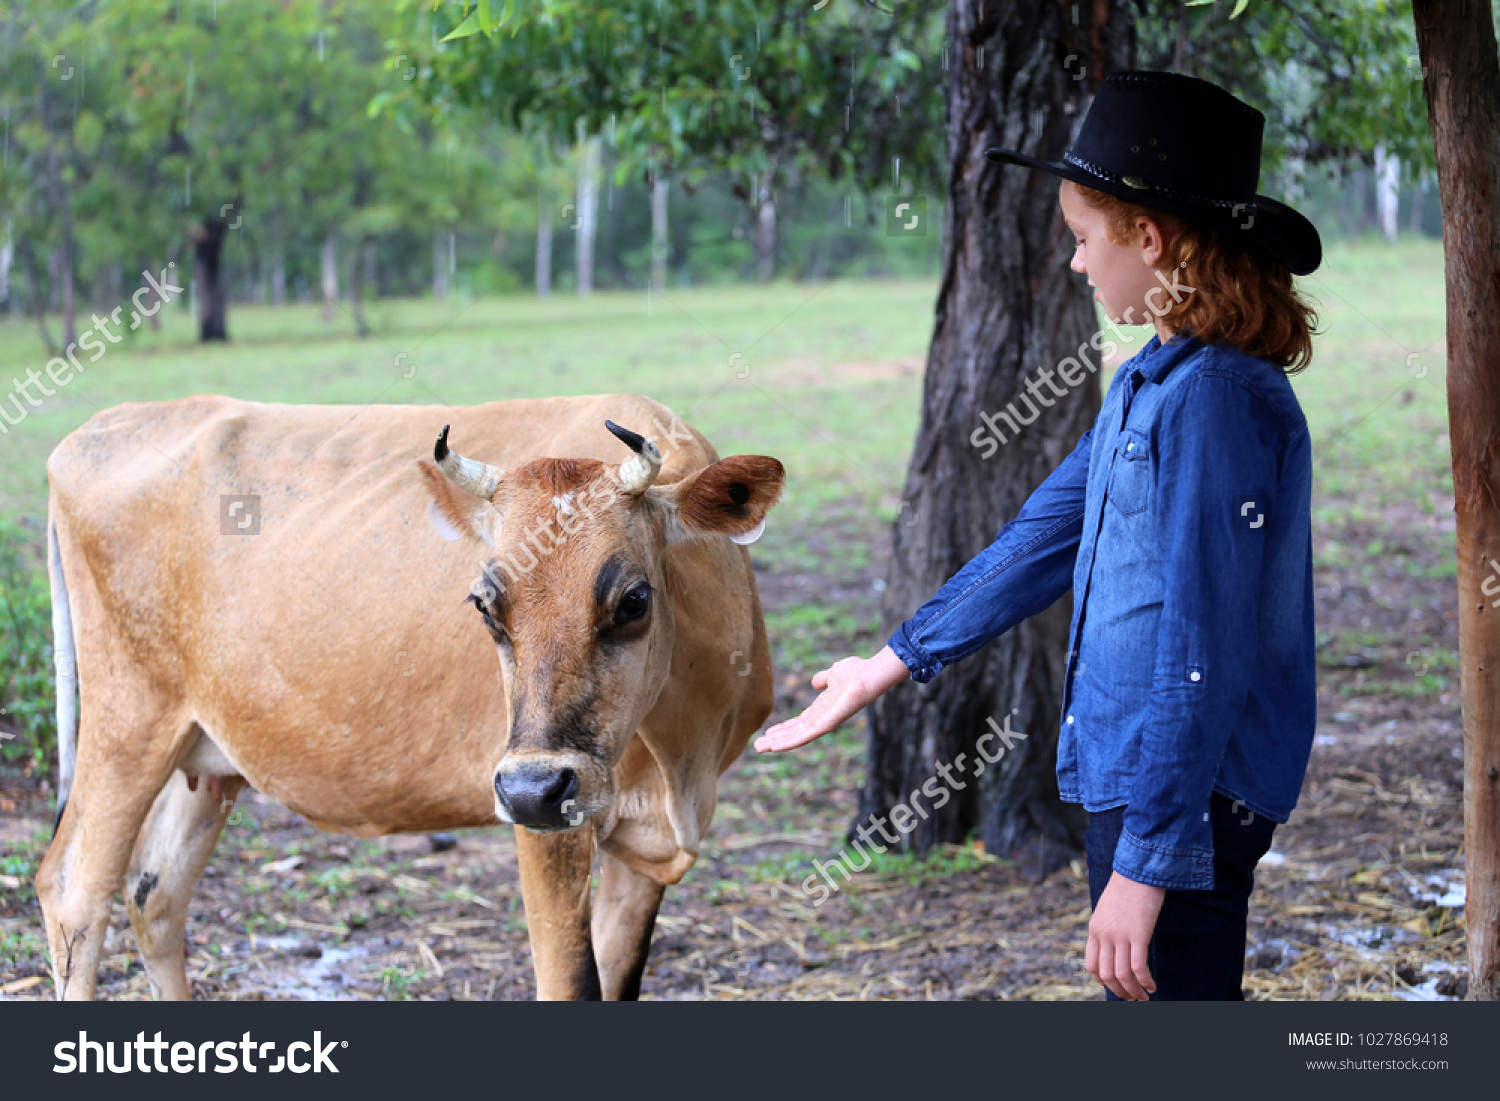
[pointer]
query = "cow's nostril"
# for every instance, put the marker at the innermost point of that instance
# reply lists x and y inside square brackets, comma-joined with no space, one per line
[563,786]
[540,797]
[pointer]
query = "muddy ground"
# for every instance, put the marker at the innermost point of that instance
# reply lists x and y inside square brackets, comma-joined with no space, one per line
[1361,897]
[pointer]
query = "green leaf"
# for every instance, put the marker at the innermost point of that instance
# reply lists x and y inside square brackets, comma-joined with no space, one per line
[1240,6]
[470,26]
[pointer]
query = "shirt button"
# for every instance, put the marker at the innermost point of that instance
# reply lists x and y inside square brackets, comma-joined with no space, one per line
[1195,676]
[1128,446]
[1070,719]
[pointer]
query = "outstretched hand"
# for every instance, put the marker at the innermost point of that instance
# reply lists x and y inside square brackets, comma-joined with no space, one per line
[845,688]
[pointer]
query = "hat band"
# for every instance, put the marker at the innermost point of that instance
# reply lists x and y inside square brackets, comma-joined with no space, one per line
[1135,183]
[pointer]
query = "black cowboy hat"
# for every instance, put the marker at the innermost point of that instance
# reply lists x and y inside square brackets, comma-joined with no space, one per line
[1185,146]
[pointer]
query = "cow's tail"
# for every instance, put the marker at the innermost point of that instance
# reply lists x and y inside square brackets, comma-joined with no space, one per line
[64,657]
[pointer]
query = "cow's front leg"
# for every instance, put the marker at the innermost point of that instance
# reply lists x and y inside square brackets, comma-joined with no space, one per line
[624,917]
[555,871]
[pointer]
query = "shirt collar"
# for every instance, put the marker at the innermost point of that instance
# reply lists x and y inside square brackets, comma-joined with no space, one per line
[1156,359]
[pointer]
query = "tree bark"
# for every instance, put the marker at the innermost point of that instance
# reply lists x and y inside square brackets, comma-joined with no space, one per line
[1007,303]
[1461,77]
[213,289]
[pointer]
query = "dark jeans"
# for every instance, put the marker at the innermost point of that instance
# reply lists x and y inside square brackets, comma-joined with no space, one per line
[1198,950]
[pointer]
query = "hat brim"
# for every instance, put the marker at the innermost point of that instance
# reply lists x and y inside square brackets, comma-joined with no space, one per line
[1270,226]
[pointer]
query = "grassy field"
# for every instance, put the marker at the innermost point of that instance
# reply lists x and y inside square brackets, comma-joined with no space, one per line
[824,376]
[827,378]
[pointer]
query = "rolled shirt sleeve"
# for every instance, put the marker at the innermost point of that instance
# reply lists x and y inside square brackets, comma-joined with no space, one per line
[1024,571]
[1214,489]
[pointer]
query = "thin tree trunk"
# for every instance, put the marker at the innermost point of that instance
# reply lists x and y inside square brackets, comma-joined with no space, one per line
[330,266]
[112,279]
[7,259]
[1418,199]
[1461,77]
[439,264]
[64,256]
[65,266]
[38,298]
[359,274]
[54,280]
[213,290]
[1006,303]
[543,247]
[1387,190]
[588,213]
[278,276]
[763,234]
[660,242]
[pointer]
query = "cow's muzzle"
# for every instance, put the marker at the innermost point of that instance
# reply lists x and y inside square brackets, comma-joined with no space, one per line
[540,795]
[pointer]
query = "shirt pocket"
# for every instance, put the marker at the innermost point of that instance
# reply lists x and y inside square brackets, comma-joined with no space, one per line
[1130,474]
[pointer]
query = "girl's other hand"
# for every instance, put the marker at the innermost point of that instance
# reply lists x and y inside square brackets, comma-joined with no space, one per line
[846,687]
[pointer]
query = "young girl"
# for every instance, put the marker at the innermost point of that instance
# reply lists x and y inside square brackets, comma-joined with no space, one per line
[1182,521]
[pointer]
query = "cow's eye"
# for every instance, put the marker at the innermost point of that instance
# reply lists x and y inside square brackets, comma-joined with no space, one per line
[633,605]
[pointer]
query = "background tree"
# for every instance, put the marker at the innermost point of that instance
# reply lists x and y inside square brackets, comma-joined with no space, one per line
[1461,75]
[762,91]
[1007,302]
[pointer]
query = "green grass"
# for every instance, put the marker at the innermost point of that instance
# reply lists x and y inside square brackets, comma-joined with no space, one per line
[843,435]
[820,389]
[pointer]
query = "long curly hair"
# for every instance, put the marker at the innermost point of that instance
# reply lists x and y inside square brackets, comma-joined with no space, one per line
[1241,296]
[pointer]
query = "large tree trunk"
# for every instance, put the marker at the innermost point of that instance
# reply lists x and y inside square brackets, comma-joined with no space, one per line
[1461,76]
[588,212]
[659,239]
[1007,302]
[213,289]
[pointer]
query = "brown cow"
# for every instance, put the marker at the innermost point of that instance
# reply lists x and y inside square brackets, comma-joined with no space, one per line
[250,593]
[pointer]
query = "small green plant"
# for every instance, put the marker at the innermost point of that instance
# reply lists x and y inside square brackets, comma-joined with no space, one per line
[28,725]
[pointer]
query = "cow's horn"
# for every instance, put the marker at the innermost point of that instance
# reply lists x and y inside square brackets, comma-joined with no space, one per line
[478,478]
[640,470]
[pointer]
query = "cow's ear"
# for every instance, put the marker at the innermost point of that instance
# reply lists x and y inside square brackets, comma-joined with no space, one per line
[456,513]
[730,497]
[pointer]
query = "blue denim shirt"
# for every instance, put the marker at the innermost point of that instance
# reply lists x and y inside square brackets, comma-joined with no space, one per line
[1183,522]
